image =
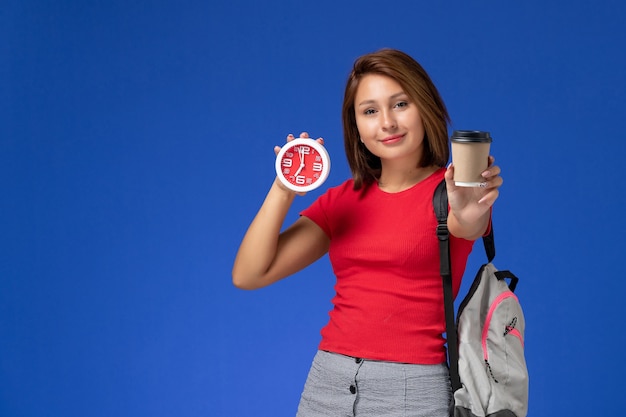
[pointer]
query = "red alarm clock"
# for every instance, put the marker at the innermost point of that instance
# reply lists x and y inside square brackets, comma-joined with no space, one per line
[302,164]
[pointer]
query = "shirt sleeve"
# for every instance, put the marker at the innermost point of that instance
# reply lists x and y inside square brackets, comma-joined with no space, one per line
[317,212]
[322,209]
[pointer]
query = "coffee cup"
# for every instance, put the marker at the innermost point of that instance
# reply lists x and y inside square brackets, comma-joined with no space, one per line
[470,156]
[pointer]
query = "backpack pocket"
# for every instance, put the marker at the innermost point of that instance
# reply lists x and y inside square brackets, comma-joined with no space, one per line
[503,339]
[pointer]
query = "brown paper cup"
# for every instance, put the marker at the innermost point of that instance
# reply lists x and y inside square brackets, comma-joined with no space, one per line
[470,156]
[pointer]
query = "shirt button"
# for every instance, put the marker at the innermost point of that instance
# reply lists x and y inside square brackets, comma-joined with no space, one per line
[352,389]
[358,360]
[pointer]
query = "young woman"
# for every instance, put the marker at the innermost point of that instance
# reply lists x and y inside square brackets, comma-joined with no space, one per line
[382,352]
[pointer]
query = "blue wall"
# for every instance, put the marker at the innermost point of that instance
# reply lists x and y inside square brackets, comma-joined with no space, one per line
[136,145]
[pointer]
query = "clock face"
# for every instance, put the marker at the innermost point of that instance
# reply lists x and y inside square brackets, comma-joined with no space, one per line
[302,165]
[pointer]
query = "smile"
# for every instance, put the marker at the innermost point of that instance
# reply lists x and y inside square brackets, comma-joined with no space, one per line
[390,140]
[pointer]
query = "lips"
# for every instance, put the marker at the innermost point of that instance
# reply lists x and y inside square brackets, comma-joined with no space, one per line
[390,140]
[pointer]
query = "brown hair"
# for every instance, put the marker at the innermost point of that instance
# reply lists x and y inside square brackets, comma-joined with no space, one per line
[416,83]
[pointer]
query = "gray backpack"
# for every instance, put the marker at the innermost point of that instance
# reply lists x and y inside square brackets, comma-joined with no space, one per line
[486,346]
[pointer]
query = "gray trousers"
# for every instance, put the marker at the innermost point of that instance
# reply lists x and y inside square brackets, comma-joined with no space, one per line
[343,386]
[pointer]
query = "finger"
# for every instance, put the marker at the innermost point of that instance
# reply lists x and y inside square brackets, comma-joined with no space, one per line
[276,149]
[290,137]
[490,197]
[492,171]
[449,174]
[490,160]
[449,177]
[304,135]
[320,141]
[492,183]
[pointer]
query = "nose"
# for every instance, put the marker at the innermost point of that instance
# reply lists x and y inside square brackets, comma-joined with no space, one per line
[388,120]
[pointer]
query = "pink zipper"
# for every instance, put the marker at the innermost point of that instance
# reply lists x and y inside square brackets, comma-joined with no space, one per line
[494,305]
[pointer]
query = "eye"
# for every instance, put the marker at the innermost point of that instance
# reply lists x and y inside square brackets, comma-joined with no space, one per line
[369,112]
[402,104]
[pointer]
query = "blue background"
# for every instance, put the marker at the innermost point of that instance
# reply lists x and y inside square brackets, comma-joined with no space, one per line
[136,146]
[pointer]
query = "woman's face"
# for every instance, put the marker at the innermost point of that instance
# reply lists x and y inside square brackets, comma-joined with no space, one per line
[389,122]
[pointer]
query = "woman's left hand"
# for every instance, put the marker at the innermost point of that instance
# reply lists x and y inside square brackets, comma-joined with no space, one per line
[470,207]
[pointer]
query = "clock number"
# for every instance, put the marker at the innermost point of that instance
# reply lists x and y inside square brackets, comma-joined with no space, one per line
[304,149]
[300,179]
[317,166]
[287,163]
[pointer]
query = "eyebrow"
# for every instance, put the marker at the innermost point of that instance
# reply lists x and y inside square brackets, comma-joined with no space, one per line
[392,97]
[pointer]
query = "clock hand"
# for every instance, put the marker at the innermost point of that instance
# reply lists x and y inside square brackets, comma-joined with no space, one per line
[301,155]
[298,171]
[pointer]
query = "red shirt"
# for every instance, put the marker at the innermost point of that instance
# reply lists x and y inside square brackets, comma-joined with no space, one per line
[385,255]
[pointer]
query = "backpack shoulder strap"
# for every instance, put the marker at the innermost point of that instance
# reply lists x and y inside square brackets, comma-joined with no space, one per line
[489,243]
[440,203]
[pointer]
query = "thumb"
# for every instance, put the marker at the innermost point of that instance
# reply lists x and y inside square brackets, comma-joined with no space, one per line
[449,176]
